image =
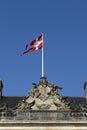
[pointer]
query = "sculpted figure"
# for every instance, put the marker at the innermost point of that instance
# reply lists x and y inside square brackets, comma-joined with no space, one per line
[44,96]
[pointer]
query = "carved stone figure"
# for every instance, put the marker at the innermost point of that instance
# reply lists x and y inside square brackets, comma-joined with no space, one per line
[43,96]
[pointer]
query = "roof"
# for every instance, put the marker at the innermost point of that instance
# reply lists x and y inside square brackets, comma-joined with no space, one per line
[74,102]
[11,101]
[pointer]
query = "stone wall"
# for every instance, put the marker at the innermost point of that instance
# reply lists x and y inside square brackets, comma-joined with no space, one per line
[43,120]
[61,125]
[43,115]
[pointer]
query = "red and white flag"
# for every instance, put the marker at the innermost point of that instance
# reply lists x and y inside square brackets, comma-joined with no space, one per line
[34,45]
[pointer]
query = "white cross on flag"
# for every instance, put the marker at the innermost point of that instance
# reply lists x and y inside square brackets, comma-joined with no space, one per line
[34,45]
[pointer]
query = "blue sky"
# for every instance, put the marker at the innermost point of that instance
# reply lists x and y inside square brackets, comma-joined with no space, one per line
[64,25]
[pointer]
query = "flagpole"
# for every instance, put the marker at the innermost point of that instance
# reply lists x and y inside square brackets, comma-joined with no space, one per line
[42,59]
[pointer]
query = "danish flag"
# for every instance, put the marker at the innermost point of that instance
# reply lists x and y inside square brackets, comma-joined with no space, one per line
[34,45]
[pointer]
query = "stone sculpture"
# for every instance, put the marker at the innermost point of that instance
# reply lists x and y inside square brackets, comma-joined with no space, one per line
[43,96]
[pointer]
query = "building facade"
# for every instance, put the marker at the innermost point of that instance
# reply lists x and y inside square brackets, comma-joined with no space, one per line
[43,109]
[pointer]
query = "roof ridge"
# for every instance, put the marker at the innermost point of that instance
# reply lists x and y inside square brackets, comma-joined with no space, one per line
[73,96]
[14,96]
